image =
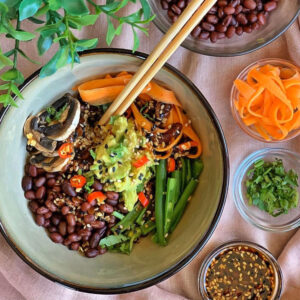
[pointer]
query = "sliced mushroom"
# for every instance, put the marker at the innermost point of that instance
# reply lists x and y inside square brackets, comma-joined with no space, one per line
[37,139]
[49,164]
[61,129]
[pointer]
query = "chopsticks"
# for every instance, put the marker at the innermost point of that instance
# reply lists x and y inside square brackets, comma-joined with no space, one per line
[177,33]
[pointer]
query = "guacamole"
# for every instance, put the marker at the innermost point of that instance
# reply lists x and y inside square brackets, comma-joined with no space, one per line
[121,148]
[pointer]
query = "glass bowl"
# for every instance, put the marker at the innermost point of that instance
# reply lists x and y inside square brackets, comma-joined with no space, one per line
[287,11]
[234,244]
[234,94]
[251,213]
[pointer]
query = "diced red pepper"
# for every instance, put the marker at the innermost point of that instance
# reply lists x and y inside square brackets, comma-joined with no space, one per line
[96,195]
[143,199]
[65,150]
[78,181]
[140,162]
[171,165]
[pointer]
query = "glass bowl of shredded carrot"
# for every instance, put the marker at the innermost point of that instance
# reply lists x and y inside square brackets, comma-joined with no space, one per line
[265,100]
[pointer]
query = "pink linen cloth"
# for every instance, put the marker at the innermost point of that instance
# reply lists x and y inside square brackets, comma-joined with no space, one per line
[19,282]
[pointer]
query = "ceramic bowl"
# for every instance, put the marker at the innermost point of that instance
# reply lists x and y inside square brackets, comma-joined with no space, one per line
[111,273]
[278,22]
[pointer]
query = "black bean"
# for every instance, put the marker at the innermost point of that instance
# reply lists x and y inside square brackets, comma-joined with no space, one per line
[65,210]
[97,185]
[75,246]
[112,195]
[41,192]
[98,224]
[62,227]
[112,202]
[55,219]
[33,205]
[52,207]
[70,229]
[52,229]
[51,182]
[106,208]
[89,218]
[74,237]
[94,240]
[85,206]
[40,220]
[42,210]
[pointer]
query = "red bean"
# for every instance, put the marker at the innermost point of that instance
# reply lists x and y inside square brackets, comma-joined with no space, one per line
[56,189]
[56,237]
[195,33]
[212,19]
[165,5]
[85,206]
[40,220]
[62,227]
[230,32]
[204,35]
[75,246]
[94,240]
[98,224]
[65,210]
[38,182]
[176,9]
[252,17]
[213,37]
[226,22]
[41,192]
[42,210]
[48,215]
[222,3]
[71,219]
[32,170]
[221,28]
[89,218]
[121,206]
[239,30]
[33,205]
[46,223]
[261,18]
[241,18]
[70,229]
[250,4]
[181,4]
[52,229]
[74,237]
[102,250]
[229,10]
[26,183]
[269,6]
[238,9]
[30,195]
[247,29]
[90,253]
[112,202]
[84,232]
[207,26]
[106,208]
[52,207]
[68,189]
[50,175]
[112,195]
[51,182]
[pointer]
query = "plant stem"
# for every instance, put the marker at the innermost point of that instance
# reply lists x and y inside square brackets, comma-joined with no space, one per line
[17,43]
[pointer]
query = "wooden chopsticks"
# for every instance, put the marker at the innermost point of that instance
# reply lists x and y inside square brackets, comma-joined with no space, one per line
[177,33]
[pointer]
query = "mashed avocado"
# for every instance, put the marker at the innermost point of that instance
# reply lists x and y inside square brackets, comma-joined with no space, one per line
[113,165]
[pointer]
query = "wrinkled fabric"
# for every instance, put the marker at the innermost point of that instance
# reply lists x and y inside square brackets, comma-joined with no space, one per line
[214,77]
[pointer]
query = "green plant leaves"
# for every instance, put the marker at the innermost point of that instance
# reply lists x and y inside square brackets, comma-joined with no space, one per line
[84,20]
[13,75]
[136,41]
[82,45]
[146,9]
[55,4]
[7,99]
[44,43]
[75,8]
[28,8]
[28,58]
[110,31]
[21,35]
[5,61]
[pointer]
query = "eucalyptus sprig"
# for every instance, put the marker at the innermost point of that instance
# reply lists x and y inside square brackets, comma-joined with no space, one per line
[56,21]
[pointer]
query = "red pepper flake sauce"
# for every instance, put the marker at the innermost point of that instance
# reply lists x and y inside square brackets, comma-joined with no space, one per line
[242,273]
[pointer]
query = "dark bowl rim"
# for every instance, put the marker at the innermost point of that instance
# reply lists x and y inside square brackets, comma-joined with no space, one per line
[182,263]
[238,53]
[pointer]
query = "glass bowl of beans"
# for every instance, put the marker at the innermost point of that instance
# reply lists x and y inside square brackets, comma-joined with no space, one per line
[256,119]
[240,270]
[232,27]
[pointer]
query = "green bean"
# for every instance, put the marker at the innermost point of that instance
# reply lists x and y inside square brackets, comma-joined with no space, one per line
[148,227]
[188,171]
[180,206]
[183,174]
[170,200]
[177,175]
[139,220]
[197,168]
[128,220]
[160,184]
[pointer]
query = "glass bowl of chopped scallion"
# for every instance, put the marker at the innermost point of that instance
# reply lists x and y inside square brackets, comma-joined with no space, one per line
[266,189]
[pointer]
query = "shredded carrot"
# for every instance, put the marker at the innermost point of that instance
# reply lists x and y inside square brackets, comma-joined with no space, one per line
[268,101]
[140,120]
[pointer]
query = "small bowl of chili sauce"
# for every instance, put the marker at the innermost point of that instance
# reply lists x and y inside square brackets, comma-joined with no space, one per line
[240,270]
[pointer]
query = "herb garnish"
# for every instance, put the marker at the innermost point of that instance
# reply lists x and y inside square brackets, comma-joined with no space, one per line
[53,114]
[271,188]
